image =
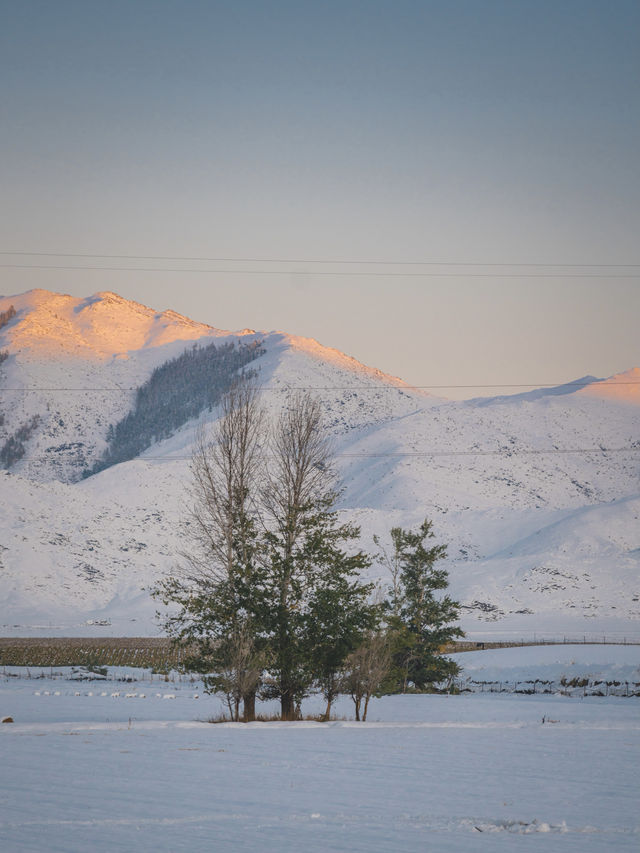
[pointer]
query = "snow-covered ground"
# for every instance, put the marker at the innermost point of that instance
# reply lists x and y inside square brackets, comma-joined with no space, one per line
[444,773]
[536,495]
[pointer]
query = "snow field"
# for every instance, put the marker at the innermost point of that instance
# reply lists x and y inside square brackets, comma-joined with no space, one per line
[445,786]
[434,773]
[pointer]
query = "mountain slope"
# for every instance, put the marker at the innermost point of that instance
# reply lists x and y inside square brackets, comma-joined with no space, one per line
[536,495]
[75,364]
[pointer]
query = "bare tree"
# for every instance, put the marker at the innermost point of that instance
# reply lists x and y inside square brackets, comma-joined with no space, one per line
[226,468]
[318,604]
[391,562]
[299,479]
[214,588]
[365,671]
[301,472]
[239,674]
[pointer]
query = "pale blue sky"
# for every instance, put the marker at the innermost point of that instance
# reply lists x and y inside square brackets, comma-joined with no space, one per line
[489,132]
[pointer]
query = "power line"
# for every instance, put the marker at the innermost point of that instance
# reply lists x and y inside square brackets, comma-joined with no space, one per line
[408,454]
[324,273]
[312,261]
[429,453]
[376,389]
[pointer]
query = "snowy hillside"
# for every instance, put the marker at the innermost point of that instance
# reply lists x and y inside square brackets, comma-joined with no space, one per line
[75,364]
[537,495]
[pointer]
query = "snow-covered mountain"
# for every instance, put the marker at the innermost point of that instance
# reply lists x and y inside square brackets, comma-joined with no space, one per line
[537,495]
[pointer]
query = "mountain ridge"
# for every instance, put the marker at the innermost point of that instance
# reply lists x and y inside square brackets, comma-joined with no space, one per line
[488,472]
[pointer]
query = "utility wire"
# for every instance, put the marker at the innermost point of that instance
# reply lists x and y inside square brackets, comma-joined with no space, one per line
[403,454]
[325,273]
[400,388]
[311,261]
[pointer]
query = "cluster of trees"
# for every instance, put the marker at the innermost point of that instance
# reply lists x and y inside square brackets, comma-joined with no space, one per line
[13,448]
[6,316]
[269,599]
[178,390]
[4,355]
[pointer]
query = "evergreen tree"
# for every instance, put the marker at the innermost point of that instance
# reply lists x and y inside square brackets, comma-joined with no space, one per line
[177,391]
[267,582]
[337,611]
[420,620]
[317,607]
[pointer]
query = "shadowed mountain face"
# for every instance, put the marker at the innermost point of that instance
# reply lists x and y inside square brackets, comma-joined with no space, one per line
[537,394]
[536,494]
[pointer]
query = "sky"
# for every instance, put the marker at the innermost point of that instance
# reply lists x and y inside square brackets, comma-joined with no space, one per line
[448,191]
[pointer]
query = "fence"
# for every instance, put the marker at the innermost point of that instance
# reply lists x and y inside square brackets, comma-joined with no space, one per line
[159,654]
[567,687]
[475,645]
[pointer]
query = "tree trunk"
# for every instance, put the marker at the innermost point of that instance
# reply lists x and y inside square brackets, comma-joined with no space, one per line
[356,702]
[366,707]
[327,713]
[249,703]
[287,708]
